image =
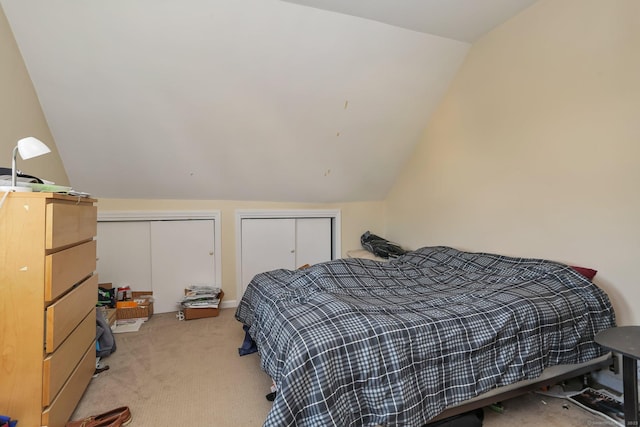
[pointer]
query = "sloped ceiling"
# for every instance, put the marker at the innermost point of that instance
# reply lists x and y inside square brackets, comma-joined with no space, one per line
[461,20]
[243,99]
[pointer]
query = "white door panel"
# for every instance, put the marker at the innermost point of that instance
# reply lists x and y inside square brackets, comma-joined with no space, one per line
[313,240]
[123,254]
[267,244]
[182,254]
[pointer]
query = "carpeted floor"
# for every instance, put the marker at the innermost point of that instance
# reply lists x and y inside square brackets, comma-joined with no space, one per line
[188,373]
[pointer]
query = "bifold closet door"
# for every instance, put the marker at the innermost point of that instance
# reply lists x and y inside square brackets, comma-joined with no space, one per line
[273,243]
[181,255]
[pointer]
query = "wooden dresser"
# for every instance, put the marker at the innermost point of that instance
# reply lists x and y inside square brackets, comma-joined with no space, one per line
[48,293]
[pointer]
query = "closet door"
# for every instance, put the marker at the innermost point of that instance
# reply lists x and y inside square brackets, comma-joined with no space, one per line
[182,254]
[267,244]
[161,256]
[123,254]
[273,243]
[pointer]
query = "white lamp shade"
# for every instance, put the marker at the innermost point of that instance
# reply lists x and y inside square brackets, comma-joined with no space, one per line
[30,147]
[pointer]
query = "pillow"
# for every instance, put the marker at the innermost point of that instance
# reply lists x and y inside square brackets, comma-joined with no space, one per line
[586,272]
[363,253]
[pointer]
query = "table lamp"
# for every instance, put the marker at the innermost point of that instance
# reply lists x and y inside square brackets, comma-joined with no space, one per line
[28,148]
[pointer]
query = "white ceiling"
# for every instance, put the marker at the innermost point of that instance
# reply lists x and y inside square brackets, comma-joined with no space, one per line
[243,99]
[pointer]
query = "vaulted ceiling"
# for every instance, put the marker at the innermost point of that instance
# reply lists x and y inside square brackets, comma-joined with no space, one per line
[298,101]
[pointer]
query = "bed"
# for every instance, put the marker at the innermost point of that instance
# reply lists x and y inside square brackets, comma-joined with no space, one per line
[357,342]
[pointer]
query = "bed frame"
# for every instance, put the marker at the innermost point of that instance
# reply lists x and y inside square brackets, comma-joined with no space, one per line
[549,377]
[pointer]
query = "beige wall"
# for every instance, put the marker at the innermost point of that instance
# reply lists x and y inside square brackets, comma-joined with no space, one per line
[21,114]
[535,149]
[356,218]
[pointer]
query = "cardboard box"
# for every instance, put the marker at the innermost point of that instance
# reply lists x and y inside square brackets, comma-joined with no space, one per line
[126,304]
[144,310]
[109,314]
[199,313]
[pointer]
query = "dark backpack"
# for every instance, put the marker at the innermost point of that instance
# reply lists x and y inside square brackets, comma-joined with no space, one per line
[380,247]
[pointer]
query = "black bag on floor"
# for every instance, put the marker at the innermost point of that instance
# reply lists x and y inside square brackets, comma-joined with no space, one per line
[468,419]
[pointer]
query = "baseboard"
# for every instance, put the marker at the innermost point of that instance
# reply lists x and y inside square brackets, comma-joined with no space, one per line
[229,304]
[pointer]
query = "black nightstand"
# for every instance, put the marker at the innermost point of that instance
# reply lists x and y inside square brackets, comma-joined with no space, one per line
[626,341]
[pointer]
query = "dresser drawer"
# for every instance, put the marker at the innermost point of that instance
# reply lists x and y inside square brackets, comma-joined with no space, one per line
[68,223]
[65,314]
[58,414]
[66,268]
[58,366]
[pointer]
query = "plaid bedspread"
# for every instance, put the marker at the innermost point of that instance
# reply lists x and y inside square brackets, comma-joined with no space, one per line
[355,342]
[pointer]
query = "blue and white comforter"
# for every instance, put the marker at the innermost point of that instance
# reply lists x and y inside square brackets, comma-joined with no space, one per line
[355,342]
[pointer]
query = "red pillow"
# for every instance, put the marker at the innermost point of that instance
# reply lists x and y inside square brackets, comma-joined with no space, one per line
[586,272]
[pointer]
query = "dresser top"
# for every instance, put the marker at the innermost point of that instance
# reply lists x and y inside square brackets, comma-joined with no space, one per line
[57,196]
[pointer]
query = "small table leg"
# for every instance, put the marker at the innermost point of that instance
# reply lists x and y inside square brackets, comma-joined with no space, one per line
[630,386]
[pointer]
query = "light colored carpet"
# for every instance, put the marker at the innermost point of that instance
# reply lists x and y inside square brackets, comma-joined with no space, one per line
[182,373]
[189,373]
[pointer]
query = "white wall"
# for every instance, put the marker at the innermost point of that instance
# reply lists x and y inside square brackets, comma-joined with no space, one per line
[229,99]
[535,149]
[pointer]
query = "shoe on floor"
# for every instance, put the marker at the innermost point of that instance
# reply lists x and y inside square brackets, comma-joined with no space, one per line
[101,369]
[114,418]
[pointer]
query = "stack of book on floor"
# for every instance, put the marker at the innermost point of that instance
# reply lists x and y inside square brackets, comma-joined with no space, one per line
[201,301]
[601,402]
